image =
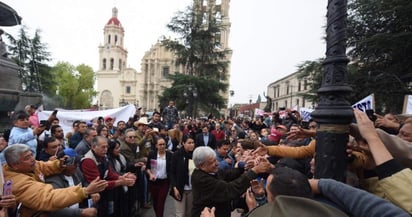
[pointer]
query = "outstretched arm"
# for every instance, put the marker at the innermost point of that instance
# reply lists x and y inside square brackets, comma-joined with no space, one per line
[354,201]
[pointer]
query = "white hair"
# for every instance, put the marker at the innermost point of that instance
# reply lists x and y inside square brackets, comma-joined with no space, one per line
[201,154]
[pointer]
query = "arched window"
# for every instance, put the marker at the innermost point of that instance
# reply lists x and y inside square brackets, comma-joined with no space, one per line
[109,39]
[115,39]
[111,64]
[104,64]
[120,64]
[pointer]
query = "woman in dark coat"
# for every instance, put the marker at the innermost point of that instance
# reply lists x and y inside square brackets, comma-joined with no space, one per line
[182,168]
[118,163]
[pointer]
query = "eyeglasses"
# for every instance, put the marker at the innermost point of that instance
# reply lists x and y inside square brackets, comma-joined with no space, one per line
[131,137]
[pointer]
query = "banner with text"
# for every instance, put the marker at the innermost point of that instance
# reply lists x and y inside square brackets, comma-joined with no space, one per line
[305,114]
[367,103]
[67,117]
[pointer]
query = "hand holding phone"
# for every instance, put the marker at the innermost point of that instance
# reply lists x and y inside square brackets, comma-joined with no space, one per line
[7,188]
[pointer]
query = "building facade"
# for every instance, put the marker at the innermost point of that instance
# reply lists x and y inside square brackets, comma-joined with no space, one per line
[287,93]
[118,85]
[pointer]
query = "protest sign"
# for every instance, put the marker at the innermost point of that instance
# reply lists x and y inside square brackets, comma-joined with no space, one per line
[367,103]
[305,114]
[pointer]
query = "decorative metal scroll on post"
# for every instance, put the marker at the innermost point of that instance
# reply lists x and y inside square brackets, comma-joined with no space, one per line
[334,113]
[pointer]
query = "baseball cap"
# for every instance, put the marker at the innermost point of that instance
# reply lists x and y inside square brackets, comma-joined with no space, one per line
[108,118]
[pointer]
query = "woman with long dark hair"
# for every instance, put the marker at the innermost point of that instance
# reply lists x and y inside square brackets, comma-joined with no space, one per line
[118,163]
[181,171]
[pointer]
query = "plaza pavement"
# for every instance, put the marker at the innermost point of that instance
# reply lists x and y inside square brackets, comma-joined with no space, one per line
[170,210]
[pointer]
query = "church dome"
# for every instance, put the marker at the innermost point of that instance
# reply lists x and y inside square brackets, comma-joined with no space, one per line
[114,20]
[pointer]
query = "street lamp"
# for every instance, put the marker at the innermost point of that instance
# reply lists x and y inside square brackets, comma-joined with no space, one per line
[333,113]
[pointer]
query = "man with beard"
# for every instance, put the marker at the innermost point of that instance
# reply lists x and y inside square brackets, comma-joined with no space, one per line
[57,132]
[155,122]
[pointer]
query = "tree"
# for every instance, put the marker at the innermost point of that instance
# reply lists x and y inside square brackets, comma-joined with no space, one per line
[205,90]
[197,48]
[31,55]
[74,85]
[380,49]
[380,46]
[311,71]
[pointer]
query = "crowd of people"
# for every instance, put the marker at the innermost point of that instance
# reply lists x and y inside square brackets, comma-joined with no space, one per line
[263,166]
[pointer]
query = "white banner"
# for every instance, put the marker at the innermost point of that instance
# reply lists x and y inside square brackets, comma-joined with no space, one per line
[366,103]
[305,114]
[67,117]
[407,105]
[259,112]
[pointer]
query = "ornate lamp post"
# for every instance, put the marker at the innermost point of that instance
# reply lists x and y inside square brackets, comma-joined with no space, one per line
[334,113]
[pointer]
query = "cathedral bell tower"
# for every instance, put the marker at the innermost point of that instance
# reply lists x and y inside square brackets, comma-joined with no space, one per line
[112,54]
[112,64]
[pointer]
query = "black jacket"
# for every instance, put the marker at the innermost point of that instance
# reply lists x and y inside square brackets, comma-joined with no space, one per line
[179,173]
[211,143]
[218,190]
[153,156]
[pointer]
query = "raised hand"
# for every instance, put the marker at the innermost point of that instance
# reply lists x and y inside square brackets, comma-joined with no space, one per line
[97,185]
[262,150]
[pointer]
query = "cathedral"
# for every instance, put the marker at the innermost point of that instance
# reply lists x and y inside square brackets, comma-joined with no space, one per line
[118,85]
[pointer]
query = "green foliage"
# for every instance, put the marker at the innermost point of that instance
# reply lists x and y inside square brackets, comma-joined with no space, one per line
[380,49]
[380,45]
[311,71]
[31,55]
[74,85]
[62,85]
[198,49]
[206,89]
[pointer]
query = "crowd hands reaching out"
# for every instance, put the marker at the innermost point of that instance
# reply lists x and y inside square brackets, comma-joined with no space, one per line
[266,158]
[379,160]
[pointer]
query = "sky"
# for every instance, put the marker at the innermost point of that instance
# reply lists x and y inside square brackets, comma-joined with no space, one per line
[269,38]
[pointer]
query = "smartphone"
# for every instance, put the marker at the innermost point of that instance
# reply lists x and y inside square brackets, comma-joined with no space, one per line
[7,188]
[43,123]
[90,203]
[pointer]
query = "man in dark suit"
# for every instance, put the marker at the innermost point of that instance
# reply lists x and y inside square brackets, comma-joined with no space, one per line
[205,138]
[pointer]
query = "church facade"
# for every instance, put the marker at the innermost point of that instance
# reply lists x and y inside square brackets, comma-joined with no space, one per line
[118,85]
